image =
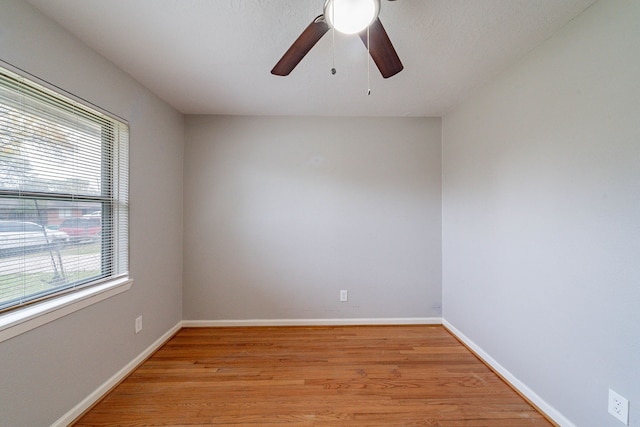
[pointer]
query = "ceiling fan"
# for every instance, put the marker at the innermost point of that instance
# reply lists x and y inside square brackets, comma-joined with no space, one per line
[349,17]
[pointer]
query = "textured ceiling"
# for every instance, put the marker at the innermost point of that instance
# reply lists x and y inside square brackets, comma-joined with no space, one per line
[215,56]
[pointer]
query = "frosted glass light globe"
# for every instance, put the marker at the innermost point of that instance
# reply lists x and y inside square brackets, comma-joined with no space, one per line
[351,16]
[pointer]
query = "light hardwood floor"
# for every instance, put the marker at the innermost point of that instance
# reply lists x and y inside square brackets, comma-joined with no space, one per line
[315,376]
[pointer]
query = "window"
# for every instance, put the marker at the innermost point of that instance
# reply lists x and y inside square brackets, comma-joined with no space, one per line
[63,194]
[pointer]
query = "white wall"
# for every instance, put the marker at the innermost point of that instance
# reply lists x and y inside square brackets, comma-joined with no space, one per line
[282,213]
[47,371]
[541,216]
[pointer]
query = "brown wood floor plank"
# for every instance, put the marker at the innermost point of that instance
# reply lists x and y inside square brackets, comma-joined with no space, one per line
[315,376]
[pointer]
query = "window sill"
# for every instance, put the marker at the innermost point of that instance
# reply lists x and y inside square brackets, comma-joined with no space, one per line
[20,321]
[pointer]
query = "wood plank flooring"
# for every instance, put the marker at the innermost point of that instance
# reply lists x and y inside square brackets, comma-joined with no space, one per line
[315,376]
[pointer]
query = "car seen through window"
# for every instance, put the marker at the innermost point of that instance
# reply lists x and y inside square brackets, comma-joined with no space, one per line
[86,228]
[21,235]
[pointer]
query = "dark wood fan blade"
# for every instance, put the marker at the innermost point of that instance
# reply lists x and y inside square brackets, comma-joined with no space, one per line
[382,50]
[301,47]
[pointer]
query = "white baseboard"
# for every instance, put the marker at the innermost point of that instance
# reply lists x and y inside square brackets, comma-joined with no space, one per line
[549,410]
[313,322]
[97,394]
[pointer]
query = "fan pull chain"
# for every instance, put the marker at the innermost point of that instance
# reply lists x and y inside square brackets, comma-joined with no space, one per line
[333,42]
[368,63]
[333,51]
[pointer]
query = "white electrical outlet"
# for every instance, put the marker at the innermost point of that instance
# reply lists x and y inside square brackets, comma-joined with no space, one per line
[138,324]
[344,296]
[619,407]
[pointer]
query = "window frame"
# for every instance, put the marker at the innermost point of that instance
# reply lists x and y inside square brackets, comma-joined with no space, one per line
[22,317]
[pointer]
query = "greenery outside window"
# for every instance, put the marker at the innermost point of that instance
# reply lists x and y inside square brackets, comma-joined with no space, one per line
[63,194]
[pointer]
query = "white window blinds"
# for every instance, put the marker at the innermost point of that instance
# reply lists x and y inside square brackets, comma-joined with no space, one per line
[63,194]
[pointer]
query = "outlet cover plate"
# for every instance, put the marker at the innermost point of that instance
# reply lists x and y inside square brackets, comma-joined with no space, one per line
[344,296]
[619,407]
[138,324]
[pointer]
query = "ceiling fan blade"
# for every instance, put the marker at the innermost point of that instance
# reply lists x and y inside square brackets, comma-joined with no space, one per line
[382,50]
[301,47]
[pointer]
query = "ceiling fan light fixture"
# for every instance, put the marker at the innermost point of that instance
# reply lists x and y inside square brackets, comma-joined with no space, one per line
[351,16]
